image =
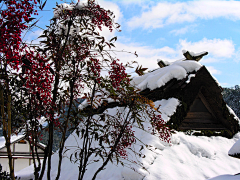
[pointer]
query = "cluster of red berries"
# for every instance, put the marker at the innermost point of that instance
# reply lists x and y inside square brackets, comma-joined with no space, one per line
[126,141]
[101,17]
[12,25]
[55,121]
[161,128]
[38,78]
[95,68]
[117,74]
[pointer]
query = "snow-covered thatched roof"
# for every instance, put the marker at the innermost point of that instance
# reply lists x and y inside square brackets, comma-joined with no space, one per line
[198,92]
[158,78]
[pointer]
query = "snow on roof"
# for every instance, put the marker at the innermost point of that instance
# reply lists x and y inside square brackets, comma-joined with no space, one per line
[42,145]
[167,107]
[165,62]
[189,77]
[159,77]
[178,69]
[26,173]
[233,113]
[12,140]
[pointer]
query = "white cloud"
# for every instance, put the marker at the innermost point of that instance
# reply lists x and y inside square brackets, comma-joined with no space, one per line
[216,47]
[184,30]
[32,37]
[168,13]
[207,60]
[147,56]
[156,17]
[237,55]
[212,70]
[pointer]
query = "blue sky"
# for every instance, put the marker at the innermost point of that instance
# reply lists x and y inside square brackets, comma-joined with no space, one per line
[162,29]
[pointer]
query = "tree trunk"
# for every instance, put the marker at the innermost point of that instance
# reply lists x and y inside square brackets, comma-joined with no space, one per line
[7,128]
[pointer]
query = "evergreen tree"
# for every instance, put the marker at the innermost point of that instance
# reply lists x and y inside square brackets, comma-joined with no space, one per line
[232,97]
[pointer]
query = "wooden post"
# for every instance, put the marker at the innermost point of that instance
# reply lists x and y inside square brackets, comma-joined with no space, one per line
[161,64]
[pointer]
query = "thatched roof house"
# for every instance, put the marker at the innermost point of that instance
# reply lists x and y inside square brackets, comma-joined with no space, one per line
[202,105]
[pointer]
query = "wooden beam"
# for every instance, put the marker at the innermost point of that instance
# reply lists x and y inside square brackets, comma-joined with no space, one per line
[198,120]
[199,115]
[206,128]
[188,56]
[161,64]
[198,126]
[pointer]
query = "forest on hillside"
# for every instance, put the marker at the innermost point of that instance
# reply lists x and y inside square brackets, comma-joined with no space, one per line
[232,97]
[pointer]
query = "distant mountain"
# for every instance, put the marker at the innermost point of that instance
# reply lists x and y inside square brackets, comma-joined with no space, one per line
[57,135]
[232,97]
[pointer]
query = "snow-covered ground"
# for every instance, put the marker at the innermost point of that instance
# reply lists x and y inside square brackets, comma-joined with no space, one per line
[185,158]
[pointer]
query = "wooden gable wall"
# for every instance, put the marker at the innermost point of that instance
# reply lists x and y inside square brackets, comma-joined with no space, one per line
[201,116]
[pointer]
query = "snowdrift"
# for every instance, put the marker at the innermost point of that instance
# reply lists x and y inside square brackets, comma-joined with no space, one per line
[186,158]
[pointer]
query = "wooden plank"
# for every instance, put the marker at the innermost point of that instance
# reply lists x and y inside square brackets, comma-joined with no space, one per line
[199,115]
[198,120]
[205,128]
[206,104]
[200,126]
[198,106]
